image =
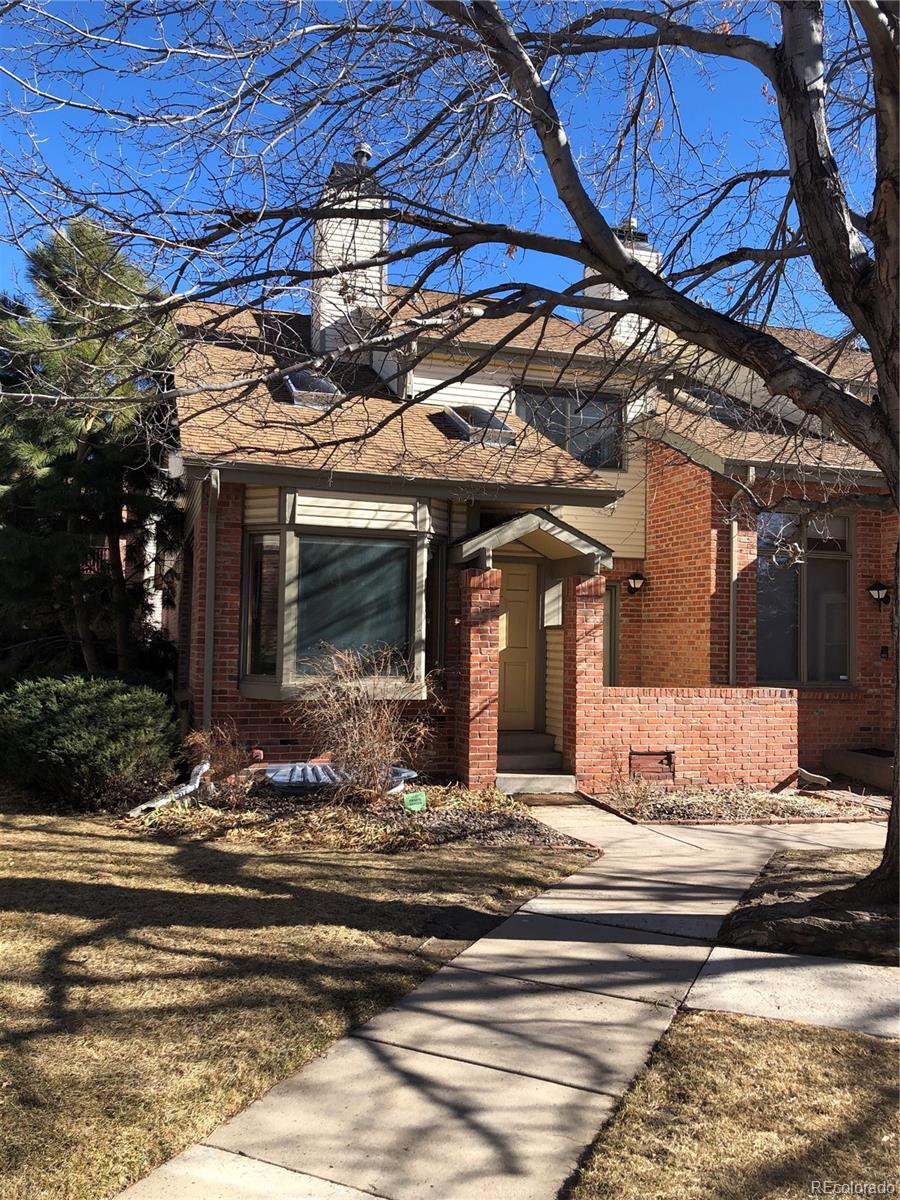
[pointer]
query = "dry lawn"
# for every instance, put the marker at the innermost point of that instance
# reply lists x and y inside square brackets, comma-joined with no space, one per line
[154,987]
[733,1106]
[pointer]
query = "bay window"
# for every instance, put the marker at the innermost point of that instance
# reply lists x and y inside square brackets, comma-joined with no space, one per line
[353,593]
[304,591]
[803,590]
[263,584]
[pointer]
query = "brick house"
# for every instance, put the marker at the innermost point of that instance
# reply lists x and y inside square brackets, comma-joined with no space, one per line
[566,550]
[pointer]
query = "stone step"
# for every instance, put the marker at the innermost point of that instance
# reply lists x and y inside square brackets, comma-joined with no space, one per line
[533,760]
[514,741]
[511,782]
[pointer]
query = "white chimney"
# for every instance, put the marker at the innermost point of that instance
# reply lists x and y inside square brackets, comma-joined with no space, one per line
[630,329]
[342,302]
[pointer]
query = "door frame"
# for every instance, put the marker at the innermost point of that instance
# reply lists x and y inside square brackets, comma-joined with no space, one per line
[540,641]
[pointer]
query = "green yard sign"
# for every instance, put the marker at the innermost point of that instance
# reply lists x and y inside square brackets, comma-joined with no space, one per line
[414,802]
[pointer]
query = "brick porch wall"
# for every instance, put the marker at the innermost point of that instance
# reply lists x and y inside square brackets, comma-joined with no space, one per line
[630,615]
[681,548]
[718,736]
[478,674]
[582,671]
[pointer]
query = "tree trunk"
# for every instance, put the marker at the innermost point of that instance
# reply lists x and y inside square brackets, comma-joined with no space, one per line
[83,629]
[884,882]
[121,608]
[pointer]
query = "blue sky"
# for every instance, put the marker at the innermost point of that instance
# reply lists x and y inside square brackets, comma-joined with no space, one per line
[725,113]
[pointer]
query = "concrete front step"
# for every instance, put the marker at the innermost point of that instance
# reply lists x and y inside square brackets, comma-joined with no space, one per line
[523,741]
[538,761]
[512,782]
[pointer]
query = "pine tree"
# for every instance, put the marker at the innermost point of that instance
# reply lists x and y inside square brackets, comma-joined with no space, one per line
[79,476]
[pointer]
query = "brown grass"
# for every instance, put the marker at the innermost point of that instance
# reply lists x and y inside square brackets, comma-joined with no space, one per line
[733,1106]
[156,987]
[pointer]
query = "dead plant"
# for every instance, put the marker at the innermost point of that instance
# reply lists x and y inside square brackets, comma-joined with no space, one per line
[228,757]
[362,709]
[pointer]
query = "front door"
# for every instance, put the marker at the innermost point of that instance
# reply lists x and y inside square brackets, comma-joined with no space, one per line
[518,645]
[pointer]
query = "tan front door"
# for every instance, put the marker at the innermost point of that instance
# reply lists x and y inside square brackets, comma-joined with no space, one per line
[518,645]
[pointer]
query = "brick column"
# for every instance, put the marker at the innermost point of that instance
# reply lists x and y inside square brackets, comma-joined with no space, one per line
[583,677]
[479,677]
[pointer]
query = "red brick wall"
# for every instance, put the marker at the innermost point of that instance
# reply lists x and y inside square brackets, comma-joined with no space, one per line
[582,669]
[718,736]
[859,715]
[478,670]
[681,546]
[630,620]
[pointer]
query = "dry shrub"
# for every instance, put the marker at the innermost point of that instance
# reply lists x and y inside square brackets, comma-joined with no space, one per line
[356,710]
[228,757]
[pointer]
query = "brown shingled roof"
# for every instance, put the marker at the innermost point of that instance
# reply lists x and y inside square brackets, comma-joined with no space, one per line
[685,428]
[256,423]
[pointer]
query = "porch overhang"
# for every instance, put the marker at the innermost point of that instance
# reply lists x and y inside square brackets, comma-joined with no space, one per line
[570,550]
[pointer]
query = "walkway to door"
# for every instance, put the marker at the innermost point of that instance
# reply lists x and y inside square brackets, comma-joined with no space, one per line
[494,1076]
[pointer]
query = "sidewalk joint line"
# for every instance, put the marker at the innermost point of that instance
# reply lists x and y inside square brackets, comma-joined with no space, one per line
[293,1170]
[575,1087]
[558,987]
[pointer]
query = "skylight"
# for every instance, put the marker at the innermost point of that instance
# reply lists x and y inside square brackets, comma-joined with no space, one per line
[313,390]
[480,425]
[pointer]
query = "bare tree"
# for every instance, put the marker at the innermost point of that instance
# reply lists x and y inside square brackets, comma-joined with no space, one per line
[204,133]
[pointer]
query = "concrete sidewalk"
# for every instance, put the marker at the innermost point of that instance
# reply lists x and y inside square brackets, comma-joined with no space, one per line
[494,1076]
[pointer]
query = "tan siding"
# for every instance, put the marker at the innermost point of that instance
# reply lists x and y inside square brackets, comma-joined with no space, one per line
[621,526]
[260,505]
[491,389]
[440,517]
[344,510]
[553,685]
[459,520]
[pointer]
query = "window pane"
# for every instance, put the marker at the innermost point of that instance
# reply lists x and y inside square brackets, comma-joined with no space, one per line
[825,532]
[827,621]
[596,432]
[774,529]
[546,413]
[263,617]
[353,594]
[777,641]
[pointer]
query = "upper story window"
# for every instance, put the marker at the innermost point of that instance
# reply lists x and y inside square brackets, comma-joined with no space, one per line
[803,598]
[590,426]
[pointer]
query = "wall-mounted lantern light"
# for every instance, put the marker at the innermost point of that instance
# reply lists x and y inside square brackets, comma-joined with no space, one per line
[880,593]
[635,582]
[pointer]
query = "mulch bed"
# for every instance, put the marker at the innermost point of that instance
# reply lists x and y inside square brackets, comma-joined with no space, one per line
[643,803]
[800,904]
[453,816]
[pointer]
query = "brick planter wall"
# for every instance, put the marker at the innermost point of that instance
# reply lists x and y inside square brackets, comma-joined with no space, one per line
[718,736]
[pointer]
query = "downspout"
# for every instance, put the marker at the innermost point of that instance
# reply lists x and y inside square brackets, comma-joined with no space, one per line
[212,507]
